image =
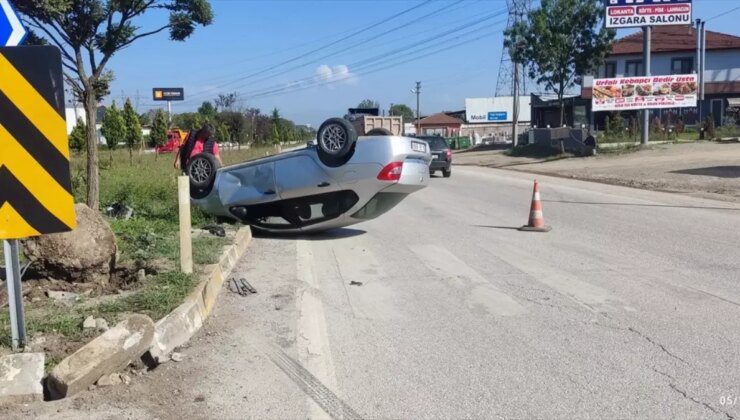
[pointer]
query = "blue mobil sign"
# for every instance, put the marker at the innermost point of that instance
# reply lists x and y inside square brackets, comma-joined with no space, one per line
[497,116]
[637,13]
[12,31]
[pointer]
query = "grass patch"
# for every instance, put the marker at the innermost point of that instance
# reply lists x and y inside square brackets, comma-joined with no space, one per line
[148,184]
[158,297]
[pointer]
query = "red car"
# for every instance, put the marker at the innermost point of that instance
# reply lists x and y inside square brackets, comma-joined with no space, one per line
[175,138]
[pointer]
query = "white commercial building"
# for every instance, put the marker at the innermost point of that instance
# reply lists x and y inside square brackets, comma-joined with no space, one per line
[492,117]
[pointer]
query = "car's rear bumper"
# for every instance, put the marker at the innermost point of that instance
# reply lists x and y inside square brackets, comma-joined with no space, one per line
[437,165]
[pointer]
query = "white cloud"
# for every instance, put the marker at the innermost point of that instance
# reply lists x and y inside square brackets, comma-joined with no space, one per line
[335,75]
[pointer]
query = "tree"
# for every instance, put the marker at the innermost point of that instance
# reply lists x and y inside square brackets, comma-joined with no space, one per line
[222,134]
[77,136]
[226,101]
[401,110]
[189,121]
[158,135]
[133,127]
[89,33]
[207,111]
[236,125]
[560,41]
[369,103]
[113,127]
[276,131]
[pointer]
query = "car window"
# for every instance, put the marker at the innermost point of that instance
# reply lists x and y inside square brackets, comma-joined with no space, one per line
[436,143]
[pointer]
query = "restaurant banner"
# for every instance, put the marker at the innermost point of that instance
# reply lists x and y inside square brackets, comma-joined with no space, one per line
[644,92]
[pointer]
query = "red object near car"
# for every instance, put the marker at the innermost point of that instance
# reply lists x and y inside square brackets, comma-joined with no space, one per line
[175,138]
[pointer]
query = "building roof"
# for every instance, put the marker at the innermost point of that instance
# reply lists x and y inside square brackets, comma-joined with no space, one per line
[440,118]
[673,38]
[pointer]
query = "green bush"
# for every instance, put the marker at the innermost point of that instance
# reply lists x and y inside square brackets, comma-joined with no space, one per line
[77,138]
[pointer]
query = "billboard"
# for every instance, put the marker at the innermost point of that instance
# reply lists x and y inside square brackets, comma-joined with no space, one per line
[638,13]
[496,110]
[644,92]
[168,94]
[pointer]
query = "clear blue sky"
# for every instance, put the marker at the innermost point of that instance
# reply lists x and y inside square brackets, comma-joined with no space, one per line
[248,37]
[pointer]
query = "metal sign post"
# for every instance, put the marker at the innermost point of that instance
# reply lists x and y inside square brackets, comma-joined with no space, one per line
[646,59]
[15,294]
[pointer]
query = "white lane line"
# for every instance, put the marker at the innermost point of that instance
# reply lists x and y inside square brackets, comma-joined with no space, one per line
[481,293]
[365,282]
[314,351]
[586,294]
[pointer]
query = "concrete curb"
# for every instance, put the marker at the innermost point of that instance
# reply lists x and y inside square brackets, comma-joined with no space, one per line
[130,339]
[176,328]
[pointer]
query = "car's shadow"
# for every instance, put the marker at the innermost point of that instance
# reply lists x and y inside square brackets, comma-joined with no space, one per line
[328,235]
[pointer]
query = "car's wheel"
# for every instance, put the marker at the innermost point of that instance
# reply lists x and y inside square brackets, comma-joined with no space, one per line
[379,132]
[431,173]
[447,172]
[336,138]
[202,172]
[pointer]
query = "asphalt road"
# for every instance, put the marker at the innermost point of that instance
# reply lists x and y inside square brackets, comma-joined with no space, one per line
[628,308]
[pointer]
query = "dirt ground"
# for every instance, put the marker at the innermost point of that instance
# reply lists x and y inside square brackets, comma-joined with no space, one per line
[706,169]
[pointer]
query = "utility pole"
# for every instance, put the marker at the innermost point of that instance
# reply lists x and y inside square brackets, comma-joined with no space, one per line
[417,91]
[646,60]
[515,107]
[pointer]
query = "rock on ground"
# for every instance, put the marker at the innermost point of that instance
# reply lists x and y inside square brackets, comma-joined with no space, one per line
[110,352]
[86,254]
[20,378]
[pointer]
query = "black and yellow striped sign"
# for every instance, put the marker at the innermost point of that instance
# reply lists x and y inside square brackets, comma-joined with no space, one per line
[35,188]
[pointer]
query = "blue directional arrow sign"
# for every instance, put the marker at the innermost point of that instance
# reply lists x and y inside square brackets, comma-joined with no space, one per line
[12,31]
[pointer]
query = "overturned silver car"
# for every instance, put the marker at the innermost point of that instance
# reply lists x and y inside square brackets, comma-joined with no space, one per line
[338,181]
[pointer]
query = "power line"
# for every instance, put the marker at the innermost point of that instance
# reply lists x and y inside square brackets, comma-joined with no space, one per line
[723,13]
[387,55]
[315,60]
[344,38]
[291,89]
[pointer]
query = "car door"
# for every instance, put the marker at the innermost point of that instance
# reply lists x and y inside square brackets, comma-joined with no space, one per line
[300,176]
[248,184]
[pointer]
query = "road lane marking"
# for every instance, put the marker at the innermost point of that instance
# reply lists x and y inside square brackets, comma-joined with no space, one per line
[370,297]
[591,297]
[481,294]
[314,351]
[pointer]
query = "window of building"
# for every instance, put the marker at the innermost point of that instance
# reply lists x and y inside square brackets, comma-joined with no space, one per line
[610,69]
[634,68]
[683,65]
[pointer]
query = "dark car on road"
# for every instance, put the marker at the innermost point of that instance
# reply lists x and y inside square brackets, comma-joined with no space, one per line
[441,155]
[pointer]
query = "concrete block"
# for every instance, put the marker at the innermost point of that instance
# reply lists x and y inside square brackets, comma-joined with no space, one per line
[110,352]
[20,378]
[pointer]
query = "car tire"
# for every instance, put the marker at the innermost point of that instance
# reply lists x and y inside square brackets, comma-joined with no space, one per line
[447,172]
[379,132]
[336,140]
[202,173]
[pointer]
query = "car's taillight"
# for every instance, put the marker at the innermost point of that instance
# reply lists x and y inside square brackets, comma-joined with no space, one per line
[449,154]
[391,172]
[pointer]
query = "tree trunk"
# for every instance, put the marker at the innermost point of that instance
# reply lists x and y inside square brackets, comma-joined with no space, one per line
[562,106]
[93,184]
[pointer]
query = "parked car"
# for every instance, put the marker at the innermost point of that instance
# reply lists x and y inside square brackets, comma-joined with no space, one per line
[441,155]
[175,138]
[340,180]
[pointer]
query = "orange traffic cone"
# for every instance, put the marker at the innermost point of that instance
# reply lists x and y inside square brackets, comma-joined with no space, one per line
[536,220]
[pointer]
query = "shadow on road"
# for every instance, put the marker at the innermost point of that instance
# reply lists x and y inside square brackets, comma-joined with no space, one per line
[498,227]
[718,171]
[328,235]
[641,205]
